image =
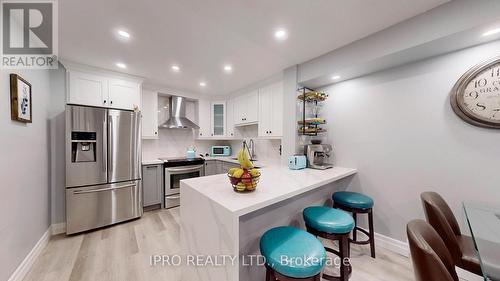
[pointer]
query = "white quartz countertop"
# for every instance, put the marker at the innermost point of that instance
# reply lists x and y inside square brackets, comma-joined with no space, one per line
[277,183]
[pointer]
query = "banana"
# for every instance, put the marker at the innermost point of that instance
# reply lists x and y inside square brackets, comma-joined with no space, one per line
[240,187]
[244,160]
[254,173]
[232,170]
[238,173]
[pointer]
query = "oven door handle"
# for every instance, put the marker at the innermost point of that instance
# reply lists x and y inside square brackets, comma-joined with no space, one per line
[183,170]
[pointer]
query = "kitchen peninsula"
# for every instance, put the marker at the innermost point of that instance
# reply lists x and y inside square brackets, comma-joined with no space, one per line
[216,221]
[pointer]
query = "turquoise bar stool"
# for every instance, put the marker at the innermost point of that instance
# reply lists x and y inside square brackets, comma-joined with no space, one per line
[292,254]
[357,203]
[335,225]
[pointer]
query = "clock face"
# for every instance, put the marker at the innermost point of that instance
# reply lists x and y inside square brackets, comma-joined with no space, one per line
[476,97]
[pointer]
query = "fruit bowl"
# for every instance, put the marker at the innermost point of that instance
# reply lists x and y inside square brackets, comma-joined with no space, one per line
[243,185]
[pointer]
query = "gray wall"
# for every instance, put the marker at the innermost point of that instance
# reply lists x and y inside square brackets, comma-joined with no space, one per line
[398,129]
[24,170]
[57,140]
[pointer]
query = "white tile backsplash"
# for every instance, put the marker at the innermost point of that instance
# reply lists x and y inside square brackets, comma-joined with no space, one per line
[174,143]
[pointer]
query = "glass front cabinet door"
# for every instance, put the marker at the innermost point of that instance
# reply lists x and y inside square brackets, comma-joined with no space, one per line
[218,118]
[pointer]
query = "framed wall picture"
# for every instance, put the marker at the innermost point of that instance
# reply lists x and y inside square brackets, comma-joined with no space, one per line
[20,99]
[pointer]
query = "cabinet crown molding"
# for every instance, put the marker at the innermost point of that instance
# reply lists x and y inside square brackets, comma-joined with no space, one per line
[74,66]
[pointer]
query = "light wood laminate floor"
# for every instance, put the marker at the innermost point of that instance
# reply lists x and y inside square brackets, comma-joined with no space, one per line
[123,252]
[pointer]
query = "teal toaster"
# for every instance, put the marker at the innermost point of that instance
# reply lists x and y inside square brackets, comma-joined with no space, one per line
[297,162]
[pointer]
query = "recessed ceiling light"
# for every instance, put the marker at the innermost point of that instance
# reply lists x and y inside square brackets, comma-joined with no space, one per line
[124,34]
[335,77]
[228,68]
[280,34]
[121,65]
[491,32]
[203,84]
[176,68]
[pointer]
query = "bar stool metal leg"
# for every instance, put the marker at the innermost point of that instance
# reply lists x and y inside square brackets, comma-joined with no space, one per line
[355,233]
[372,233]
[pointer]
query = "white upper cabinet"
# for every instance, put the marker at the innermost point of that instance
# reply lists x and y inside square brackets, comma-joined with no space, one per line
[149,115]
[246,109]
[277,116]
[87,89]
[204,118]
[124,94]
[265,111]
[93,87]
[218,119]
[271,111]
[231,132]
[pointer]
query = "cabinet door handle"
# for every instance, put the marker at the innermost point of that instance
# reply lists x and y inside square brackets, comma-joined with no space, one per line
[156,133]
[111,102]
[104,101]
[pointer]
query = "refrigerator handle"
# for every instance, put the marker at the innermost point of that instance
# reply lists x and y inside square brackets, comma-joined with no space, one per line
[111,140]
[105,145]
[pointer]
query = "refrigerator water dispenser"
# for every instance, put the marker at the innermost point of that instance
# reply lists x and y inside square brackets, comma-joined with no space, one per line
[83,147]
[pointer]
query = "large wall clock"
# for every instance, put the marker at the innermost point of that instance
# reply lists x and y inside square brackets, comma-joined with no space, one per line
[476,95]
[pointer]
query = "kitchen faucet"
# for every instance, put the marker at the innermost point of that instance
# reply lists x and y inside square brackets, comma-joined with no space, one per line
[251,148]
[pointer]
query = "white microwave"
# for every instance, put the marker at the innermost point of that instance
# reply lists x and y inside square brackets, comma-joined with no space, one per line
[220,150]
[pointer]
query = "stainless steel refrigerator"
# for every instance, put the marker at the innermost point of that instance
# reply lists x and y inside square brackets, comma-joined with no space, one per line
[103,167]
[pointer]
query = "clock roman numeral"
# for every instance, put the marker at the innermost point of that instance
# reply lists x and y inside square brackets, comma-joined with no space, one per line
[480,83]
[495,72]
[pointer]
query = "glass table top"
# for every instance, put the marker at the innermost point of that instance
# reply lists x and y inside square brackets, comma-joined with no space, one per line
[484,223]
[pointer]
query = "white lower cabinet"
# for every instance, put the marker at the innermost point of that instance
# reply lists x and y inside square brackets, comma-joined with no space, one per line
[149,115]
[152,185]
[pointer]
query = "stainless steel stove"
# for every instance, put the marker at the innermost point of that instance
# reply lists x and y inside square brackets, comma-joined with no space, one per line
[177,169]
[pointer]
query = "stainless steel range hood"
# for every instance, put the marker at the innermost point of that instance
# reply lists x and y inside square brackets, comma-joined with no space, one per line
[178,120]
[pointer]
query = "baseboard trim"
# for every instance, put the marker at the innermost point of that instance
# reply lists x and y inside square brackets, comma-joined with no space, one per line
[402,248]
[391,244]
[29,260]
[58,228]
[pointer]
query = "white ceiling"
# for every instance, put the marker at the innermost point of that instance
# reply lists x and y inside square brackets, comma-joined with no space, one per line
[202,35]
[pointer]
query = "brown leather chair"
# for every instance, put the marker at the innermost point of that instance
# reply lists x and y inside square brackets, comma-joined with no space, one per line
[431,259]
[441,218]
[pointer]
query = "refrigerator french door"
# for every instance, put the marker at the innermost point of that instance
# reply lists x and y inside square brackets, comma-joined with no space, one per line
[103,174]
